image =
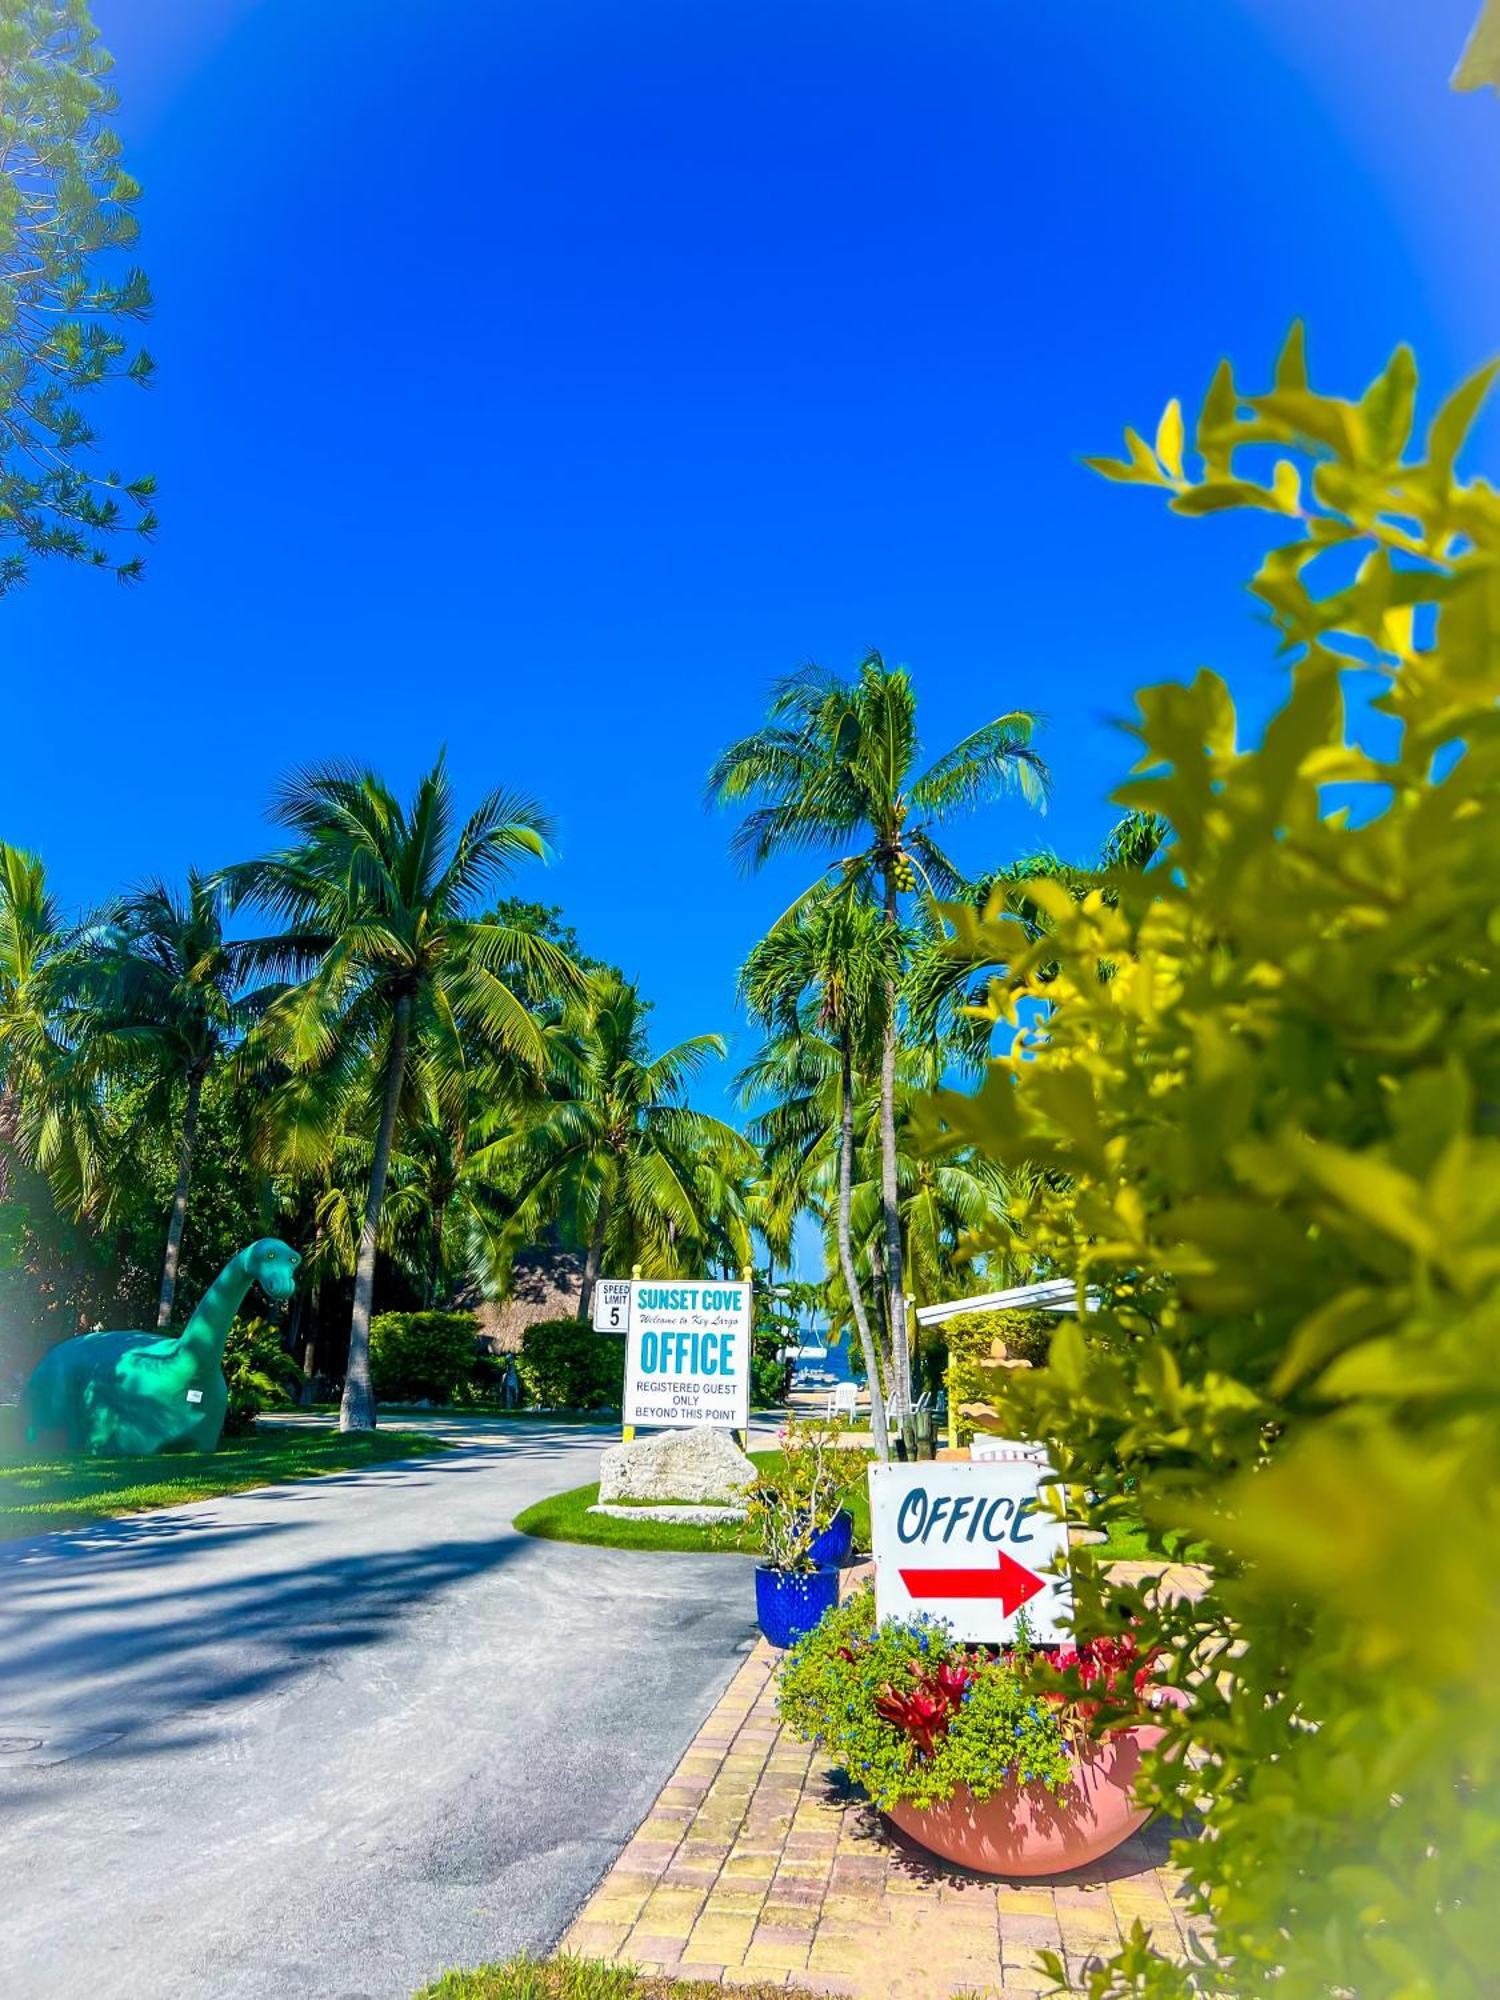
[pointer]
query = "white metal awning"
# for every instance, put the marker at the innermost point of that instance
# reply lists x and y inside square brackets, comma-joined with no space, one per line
[1058,1295]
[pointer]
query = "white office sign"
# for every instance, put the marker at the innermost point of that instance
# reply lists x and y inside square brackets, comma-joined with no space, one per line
[687,1360]
[611,1305]
[970,1543]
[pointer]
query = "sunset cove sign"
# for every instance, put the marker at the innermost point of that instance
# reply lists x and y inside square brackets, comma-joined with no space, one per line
[687,1358]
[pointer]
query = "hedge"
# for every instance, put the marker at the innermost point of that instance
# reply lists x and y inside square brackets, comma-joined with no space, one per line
[422,1355]
[565,1365]
[1023,1334]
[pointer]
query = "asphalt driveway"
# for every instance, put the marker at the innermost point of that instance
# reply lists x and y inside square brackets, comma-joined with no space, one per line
[320,1741]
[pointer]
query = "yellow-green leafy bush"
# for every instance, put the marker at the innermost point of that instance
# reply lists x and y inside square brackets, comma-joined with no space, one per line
[1269,1137]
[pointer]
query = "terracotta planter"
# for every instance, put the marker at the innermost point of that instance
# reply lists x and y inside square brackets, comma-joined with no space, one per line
[1027,1830]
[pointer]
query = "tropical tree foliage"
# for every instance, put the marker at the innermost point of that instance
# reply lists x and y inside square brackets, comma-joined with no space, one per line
[836,769]
[1269,1141]
[394,986]
[403,1075]
[953,958]
[615,1150]
[826,969]
[154,995]
[67,301]
[32,939]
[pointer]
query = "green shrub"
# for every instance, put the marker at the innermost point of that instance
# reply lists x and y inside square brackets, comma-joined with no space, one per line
[485,1386]
[769,1377]
[258,1373]
[565,1365]
[848,1685]
[421,1355]
[1026,1335]
[1257,1090]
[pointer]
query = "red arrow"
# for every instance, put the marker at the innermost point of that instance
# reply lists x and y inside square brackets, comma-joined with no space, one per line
[1010,1581]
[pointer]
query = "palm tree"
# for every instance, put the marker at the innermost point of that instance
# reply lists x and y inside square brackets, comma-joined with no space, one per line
[834,954]
[616,1152]
[395,986]
[47,1110]
[30,937]
[157,994]
[836,768]
[955,957]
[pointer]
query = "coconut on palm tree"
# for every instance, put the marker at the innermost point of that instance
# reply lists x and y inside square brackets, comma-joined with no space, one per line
[394,981]
[837,769]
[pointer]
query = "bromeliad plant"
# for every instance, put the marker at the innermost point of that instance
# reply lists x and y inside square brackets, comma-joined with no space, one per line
[790,1508]
[912,1716]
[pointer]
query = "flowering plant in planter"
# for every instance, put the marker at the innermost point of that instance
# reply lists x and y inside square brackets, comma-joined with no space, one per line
[914,1717]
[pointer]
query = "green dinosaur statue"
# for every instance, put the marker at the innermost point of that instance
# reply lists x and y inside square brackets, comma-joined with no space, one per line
[116,1395]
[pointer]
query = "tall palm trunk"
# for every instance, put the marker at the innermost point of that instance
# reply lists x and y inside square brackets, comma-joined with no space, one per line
[314,1325]
[187,1139]
[10,1137]
[882,1327]
[357,1409]
[846,1246]
[890,1194]
[595,1256]
[442,1195]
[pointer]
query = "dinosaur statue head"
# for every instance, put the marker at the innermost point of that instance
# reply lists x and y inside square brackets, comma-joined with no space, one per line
[273,1265]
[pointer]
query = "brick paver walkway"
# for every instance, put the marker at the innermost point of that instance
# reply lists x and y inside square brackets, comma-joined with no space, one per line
[756,1865]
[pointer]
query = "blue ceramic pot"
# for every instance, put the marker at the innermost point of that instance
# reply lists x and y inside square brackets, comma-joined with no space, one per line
[789,1603]
[831,1545]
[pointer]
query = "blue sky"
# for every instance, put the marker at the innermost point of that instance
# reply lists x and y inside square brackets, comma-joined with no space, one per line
[545,378]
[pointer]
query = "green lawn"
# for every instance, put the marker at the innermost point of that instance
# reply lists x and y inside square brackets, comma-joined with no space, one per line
[37,1494]
[565,1518]
[587,1979]
[491,1412]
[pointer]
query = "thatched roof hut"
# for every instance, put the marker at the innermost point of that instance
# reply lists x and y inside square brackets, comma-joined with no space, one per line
[545,1284]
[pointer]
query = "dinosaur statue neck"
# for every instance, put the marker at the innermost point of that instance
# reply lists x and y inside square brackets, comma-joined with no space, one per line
[208,1329]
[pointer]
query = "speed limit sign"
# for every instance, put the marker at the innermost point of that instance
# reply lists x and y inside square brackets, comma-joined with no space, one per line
[612,1305]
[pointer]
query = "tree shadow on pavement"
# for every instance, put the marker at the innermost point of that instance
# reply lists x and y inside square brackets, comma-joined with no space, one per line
[165,1618]
[127,1664]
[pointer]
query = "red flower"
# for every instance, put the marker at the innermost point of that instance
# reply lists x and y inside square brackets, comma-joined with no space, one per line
[922,1714]
[925,1711]
[949,1680]
[1112,1665]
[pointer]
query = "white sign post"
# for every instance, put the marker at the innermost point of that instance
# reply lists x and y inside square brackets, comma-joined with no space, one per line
[687,1360]
[969,1543]
[611,1305]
